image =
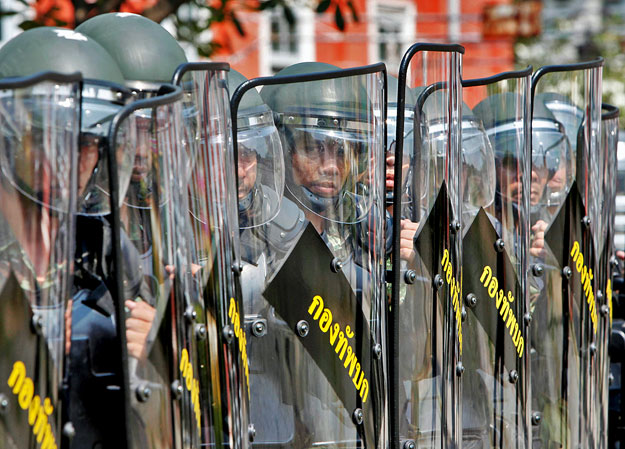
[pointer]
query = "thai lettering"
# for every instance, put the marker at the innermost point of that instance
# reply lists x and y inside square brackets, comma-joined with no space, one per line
[239,333]
[586,278]
[192,384]
[39,410]
[455,288]
[503,304]
[339,340]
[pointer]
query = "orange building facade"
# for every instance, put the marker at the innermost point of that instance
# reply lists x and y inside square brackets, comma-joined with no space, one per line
[385,29]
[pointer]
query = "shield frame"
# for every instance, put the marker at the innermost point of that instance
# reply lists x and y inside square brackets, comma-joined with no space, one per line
[169,95]
[395,274]
[521,314]
[609,114]
[583,158]
[25,82]
[233,365]
[236,98]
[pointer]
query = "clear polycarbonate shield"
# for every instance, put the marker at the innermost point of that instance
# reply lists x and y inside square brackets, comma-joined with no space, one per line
[563,274]
[101,102]
[607,171]
[426,327]
[313,277]
[495,263]
[149,231]
[213,239]
[39,135]
[260,164]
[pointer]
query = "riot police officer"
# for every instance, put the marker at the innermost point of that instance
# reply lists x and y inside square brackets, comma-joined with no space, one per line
[90,364]
[329,198]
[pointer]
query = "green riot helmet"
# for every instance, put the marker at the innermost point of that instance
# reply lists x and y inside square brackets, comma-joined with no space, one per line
[147,56]
[567,113]
[47,48]
[261,161]
[324,126]
[145,52]
[408,151]
[478,164]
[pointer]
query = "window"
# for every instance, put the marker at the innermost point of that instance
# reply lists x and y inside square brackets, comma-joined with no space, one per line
[288,43]
[395,30]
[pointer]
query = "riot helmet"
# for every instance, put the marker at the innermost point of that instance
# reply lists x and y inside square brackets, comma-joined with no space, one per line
[145,52]
[553,164]
[324,127]
[56,49]
[144,68]
[260,160]
[566,113]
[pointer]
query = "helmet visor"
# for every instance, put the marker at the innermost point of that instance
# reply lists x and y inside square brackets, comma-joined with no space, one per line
[39,127]
[553,167]
[100,105]
[329,172]
[260,170]
[478,167]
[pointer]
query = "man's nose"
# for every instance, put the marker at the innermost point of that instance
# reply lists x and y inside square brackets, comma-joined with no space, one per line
[390,160]
[330,166]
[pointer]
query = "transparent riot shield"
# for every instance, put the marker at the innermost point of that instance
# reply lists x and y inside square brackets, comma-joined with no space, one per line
[495,209]
[607,163]
[313,273]
[212,308]
[160,384]
[563,253]
[39,134]
[426,324]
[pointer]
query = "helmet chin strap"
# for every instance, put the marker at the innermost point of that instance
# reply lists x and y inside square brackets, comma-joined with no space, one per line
[318,203]
[245,203]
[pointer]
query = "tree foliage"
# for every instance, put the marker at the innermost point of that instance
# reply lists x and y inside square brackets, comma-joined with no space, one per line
[208,25]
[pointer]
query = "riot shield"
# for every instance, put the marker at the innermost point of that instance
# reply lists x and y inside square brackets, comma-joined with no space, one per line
[39,135]
[313,270]
[566,115]
[607,163]
[212,303]
[495,210]
[151,274]
[425,313]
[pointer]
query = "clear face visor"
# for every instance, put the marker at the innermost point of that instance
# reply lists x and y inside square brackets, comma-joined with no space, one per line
[156,141]
[570,116]
[478,167]
[260,170]
[93,175]
[38,132]
[553,166]
[330,171]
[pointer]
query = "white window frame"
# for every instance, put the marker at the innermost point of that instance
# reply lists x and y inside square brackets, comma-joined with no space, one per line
[304,35]
[402,13]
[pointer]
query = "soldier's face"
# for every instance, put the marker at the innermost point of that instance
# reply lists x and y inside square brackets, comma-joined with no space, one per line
[320,165]
[145,139]
[510,181]
[87,159]
[247,170]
